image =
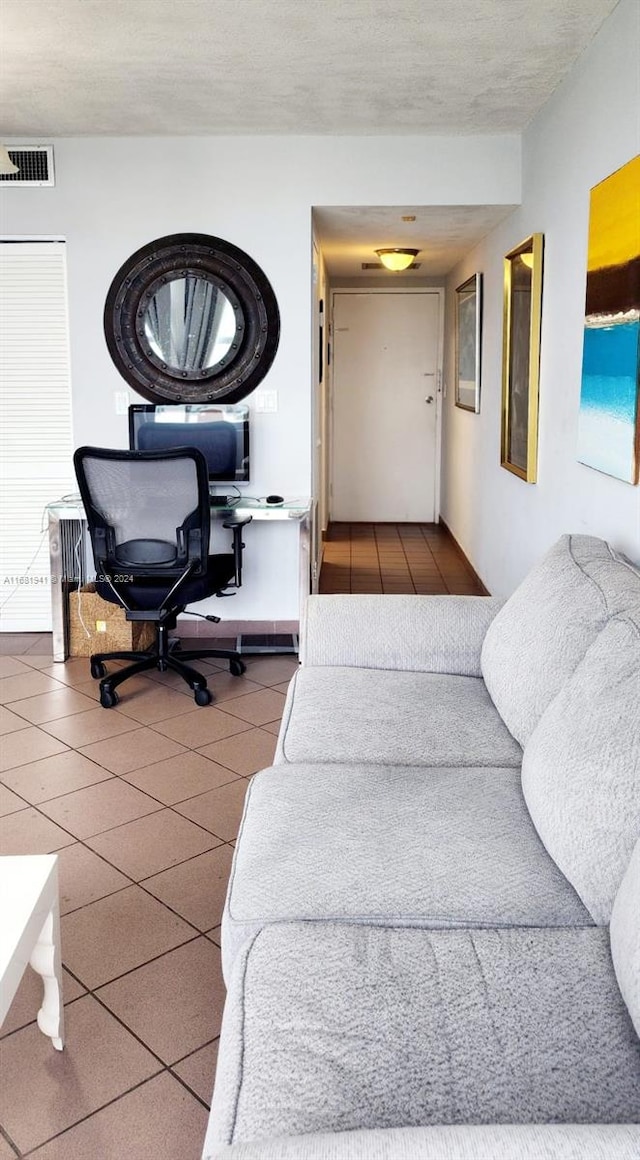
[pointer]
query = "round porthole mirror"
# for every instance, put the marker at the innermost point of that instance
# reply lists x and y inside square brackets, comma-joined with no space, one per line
[191,318]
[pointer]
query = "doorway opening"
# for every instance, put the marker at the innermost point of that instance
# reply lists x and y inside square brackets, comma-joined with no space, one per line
[379,341]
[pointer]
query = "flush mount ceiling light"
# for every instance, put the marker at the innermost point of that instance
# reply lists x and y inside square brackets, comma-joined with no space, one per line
[6,164]
[397,258]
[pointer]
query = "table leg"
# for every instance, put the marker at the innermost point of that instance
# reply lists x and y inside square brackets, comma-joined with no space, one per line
[304,564]
[46,961]
[57,588]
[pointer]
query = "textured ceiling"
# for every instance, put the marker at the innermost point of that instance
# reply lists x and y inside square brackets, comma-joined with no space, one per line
[162,67]
[350,235]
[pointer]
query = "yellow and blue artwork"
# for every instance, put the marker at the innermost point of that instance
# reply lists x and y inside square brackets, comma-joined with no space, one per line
[609,420]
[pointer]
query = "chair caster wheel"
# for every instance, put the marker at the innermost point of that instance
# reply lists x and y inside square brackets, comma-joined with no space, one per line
[98,670]
[202,696]
[108,698]
[237,668]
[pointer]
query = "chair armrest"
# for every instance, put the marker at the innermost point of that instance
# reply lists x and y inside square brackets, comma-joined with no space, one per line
[236,521]
[428,634]
[235,524]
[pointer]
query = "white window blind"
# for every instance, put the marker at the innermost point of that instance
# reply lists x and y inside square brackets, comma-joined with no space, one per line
[35,424]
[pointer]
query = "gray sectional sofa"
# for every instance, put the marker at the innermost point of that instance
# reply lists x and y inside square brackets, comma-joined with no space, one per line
[431,939]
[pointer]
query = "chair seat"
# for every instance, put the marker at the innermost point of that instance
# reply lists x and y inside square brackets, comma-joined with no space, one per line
[146,594]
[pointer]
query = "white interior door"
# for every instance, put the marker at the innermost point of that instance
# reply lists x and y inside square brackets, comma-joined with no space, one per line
[386,352]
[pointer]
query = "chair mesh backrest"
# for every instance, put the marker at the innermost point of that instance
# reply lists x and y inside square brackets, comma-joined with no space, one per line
[143,498]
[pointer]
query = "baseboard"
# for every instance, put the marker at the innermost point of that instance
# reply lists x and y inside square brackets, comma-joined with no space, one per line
[485,590]
[194,627]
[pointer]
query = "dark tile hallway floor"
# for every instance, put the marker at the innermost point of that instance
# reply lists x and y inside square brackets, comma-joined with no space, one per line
[401,558]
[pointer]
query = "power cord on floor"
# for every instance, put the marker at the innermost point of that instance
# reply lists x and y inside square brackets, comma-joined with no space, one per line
[211,618]
[76,554]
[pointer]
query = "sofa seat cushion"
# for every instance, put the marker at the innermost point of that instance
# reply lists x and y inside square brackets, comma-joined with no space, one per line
[379,715]
[435,848]
[338,1027]
[541,634]
[581,768]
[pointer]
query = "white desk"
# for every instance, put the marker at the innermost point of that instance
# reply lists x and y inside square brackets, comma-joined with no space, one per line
[30,933]
[71,561]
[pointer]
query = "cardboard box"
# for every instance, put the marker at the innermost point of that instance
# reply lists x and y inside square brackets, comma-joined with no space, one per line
[106,625]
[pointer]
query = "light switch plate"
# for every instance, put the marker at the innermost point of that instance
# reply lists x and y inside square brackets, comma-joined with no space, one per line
[267,401]
[122,402]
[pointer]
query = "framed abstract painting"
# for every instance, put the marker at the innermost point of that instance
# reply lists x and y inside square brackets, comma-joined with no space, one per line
[609,418]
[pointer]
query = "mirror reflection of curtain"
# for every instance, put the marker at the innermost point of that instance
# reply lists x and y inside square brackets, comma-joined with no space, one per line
[520,357]
[185,322]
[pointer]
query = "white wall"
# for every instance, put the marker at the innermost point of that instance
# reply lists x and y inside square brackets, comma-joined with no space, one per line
[114,195]
[589,128]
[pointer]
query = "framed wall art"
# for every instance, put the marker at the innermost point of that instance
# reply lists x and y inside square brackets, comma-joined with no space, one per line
[468,343]
[609,417]
[521,358]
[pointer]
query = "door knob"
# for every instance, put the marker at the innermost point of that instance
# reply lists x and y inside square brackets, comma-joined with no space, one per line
[429,399]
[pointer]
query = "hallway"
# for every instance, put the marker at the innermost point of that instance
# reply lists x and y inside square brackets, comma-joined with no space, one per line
[400,558]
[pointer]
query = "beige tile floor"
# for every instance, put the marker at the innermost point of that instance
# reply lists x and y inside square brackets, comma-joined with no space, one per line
[142,804]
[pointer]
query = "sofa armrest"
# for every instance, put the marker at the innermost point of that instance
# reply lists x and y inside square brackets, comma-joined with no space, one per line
[427,634]
[454,1142]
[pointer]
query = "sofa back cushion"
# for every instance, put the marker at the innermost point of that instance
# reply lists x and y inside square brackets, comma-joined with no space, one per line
[543,631]
[625,937]
[581,768]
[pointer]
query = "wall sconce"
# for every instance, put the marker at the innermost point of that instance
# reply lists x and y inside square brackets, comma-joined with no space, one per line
[397,258]
[6,164]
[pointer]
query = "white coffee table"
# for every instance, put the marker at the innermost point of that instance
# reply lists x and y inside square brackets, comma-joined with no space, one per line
[30,933]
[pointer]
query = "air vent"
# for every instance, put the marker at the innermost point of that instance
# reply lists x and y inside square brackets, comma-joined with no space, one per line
[379,266]
[35,165]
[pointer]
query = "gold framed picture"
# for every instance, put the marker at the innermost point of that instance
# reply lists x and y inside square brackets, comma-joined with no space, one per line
[468,343]
[521,357]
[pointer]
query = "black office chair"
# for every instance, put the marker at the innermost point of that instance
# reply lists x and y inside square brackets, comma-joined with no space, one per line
[149,518]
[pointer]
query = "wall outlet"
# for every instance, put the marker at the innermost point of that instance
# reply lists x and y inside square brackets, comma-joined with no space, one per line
[267,401]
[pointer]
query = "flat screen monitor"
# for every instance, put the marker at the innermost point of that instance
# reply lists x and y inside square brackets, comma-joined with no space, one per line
[220,432]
